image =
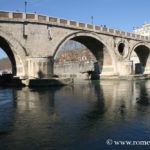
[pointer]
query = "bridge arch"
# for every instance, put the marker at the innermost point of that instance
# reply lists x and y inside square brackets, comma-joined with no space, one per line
[15,53]
[98,46]
[140,56]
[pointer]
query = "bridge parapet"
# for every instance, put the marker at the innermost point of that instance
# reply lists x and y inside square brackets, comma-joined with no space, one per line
[33,17]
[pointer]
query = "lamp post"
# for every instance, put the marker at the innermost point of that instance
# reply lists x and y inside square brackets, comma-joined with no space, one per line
[92,19]
[25,6]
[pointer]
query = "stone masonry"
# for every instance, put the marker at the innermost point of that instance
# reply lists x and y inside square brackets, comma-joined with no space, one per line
[32,41]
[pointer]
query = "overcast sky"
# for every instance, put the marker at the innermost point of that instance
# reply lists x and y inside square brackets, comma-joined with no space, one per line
[120,14]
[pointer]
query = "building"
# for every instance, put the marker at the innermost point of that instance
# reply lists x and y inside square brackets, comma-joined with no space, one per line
[143,30]
[79,54]
[74,61]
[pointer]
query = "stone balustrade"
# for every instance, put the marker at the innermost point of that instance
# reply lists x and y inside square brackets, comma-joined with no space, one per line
[33,17]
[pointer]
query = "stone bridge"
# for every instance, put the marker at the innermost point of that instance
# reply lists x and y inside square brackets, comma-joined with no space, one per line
[32,41]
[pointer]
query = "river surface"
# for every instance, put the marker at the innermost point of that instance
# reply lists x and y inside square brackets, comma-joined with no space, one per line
[79,117]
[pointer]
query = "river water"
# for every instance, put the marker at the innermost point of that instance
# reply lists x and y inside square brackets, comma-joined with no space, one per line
[79,117]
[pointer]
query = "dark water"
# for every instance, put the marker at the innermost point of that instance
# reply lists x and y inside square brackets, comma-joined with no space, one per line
[79,117]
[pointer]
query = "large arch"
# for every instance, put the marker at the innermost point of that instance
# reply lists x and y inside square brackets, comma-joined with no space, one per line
[140,56]
[95,43]
[15,52]
[6,48]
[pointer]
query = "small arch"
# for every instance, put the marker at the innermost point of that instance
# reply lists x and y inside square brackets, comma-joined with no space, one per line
[140,56]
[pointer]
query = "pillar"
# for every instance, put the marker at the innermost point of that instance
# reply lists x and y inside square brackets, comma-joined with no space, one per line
[40,67]
[125,68]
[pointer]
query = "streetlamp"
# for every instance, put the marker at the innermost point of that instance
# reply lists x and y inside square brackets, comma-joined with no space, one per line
[25,8]
[92,18]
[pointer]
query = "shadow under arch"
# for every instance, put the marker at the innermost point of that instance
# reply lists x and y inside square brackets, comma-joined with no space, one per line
[94,43]
[140,57]
[15,52]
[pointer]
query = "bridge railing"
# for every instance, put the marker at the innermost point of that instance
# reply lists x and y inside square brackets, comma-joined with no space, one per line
[18,16]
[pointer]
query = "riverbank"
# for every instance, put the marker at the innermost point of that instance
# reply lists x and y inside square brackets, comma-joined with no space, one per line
[10,81]
[129,77]
[47,82]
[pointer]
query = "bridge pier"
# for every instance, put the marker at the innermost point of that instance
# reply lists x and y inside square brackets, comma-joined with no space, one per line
[125,68]
[40,67]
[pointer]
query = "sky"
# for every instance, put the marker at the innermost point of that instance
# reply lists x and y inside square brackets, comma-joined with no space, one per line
[119,14]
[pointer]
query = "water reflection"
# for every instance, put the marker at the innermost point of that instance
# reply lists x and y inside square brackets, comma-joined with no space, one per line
[6,110]
[82,116]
